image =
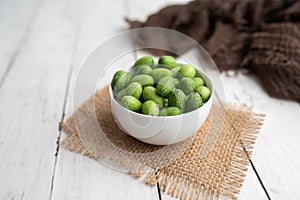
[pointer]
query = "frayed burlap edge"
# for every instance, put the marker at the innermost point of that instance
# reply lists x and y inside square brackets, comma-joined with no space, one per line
[184,189]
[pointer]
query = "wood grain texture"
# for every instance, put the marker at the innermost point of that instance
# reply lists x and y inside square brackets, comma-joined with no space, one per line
[16,20]
[78,177]
[276,154]
[251,187]
[31,100]
[44,44]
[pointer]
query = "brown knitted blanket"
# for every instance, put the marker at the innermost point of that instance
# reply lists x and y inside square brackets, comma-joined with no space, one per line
[262,36]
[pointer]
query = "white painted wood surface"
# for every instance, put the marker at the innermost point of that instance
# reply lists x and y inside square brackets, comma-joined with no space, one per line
[251,187]
[15,23]
[42,45]
[277,151]
[31,101]
[77,177]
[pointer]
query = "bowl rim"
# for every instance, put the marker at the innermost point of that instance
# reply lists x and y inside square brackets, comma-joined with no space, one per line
[112,98]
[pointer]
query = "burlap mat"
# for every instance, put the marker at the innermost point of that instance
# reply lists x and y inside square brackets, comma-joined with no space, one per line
[220,173]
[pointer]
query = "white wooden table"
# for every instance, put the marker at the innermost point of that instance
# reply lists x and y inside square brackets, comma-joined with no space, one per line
[42,45]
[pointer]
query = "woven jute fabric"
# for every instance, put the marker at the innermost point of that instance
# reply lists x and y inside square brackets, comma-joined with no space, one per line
[188,176]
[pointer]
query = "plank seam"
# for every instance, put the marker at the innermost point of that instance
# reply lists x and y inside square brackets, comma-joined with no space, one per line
[21,43]
[256,173]
[67,92]
[158,187]
[251,163]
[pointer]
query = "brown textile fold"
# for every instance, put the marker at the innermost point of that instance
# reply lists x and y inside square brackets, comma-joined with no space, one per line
[220,173]
[274,56]
[250,34]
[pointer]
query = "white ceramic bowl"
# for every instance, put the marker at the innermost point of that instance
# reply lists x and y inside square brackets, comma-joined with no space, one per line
[160,130]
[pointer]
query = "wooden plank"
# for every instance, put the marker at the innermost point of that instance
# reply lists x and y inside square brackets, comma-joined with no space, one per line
[31,101]
[78,177]
[140,10]
[16,20]
[251,187]
[277,153]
